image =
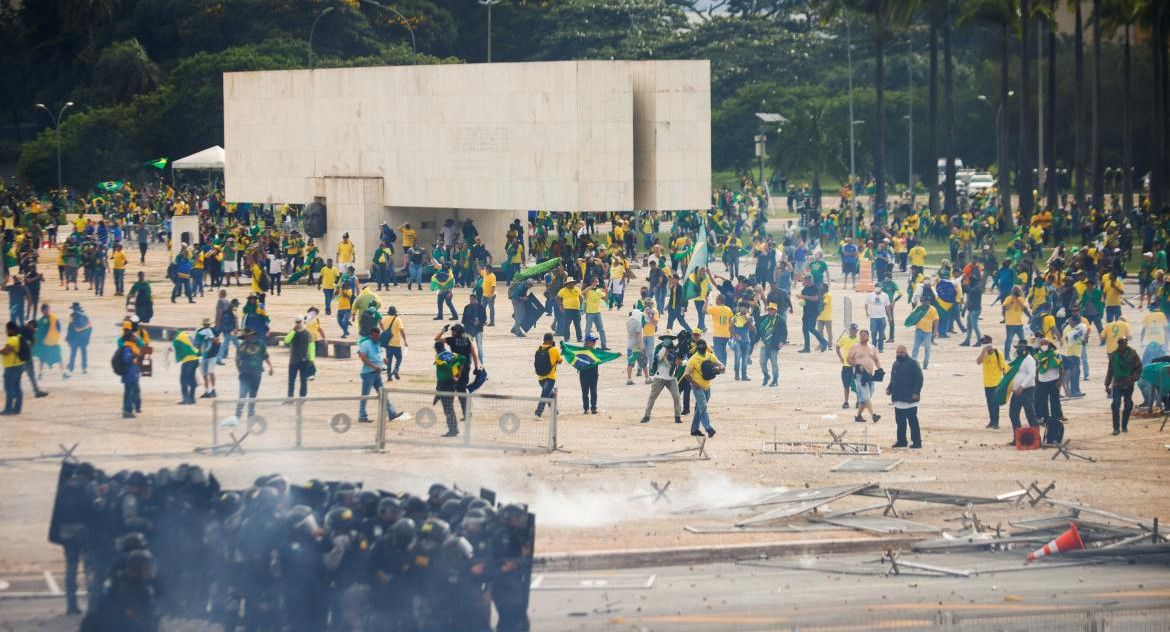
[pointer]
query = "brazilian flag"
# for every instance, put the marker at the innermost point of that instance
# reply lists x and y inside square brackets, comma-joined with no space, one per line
[1005,384]
[916,315]
[692,285]
[581,358]
[157,163]
[300,272]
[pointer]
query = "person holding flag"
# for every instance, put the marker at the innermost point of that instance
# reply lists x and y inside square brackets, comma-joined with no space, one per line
[586,360]
[695,282]
[924,320]
[443,282]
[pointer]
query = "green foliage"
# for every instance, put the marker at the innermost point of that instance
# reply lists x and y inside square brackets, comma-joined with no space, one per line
[608,29]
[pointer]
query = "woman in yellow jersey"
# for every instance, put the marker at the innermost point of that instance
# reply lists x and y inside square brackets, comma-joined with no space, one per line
[1015,313]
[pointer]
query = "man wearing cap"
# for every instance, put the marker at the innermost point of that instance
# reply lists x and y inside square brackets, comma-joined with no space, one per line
[251,358]
[569,298]
[771,337]
[701,386]
[1125,367]
[131,372]
[207,341]
[1023,388]
[877,305]
[301,354]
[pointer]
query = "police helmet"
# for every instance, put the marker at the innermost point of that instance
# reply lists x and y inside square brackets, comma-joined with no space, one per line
[265,498]
[389,509]
[136,479]
[139,559]
[84,470]
[415,506]
[196,475]
[228,503]
[301,517]
[450,494]
[433,531]
[368,501]
[474,520]
[451,510]
[436,490]
[132,541]
[403,532]
[164,477]
[339,519]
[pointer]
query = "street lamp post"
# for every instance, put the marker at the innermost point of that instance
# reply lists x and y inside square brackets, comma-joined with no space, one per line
[57,132]
[766,119]
[489,4]
[852,161]
[999,145]
[312,29]
[910,121]
[405,22]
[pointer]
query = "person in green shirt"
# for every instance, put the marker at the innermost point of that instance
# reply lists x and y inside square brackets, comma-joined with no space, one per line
[819,269]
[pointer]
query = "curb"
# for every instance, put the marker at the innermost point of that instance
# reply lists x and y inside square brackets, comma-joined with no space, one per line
[643,558]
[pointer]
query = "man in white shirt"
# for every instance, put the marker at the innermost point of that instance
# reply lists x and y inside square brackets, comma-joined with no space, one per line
[275,269]
[1023,389]
[876,306]
[662,369]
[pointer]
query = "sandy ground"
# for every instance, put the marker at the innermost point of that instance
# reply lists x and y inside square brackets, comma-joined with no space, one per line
[579,509]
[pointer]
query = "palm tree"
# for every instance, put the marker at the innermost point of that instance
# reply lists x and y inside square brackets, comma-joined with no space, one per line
[888,16]
[935,16]
[1124,14]
[1095,110]
[1050,121]
[1024,165]
[1079,108]
[1003,16]
[1155,18]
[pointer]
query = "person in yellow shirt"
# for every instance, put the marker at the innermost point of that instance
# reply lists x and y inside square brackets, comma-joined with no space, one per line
[825,316]
[119,267]
[720,327]
[13,368]
[569,300]
[393,340]
[344,305]
[1015,310]
[594,296]
[1113,288]
[925,331]
[547,359]
[345,252]
[327,283]
[701,387]
[917,256]
[994,367]
[1113,332]
[844,344]
[1154,327]
[489,294]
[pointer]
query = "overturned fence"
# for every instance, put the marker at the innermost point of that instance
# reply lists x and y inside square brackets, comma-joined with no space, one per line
[401,416]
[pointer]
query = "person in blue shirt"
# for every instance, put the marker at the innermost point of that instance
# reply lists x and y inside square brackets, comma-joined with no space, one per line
[373,363]
[850,266]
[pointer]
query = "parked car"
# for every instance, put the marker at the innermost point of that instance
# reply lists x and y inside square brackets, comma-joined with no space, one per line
[979,183]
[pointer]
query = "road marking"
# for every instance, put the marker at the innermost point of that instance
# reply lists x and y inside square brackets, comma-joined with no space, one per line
[713,618]
[52,583]
[1133,593]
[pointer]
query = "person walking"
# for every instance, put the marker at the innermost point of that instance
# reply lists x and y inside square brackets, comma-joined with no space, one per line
[344,309]
[771,337]
[373,363]
[443,284]
[676,304]
[720,328]
[545,364]
[905,391]
[972,287]
[569,299]
[877,305]
[488,287]
[28,333]
[393,340]
[251,358]
[701,368]
[118,265]
[635,355]
[1073,337]
[131,361]
[77,336]
[187,357]
[474,320]
[47,349]
[994,368]
[863,357]
[593,297]
[810,297]
[844,344]
[743,329]
[327,283]
[140,293]
[1125,368]
[1023,388]
[1015,311]
[518,295]
[13,368]
[302,352]
[227,326]
[664,369]
[925,331]
[588,375]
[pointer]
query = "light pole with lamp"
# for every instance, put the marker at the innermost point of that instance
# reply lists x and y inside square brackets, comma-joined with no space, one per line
[1004,192]
[313,28]
[405,22]
[766,118]
[852,123]
[57,132]
[489,4]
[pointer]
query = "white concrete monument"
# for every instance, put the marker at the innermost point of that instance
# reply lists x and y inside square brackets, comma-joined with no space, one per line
[488,142]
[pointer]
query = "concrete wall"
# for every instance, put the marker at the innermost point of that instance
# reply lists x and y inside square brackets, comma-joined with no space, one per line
[672,134]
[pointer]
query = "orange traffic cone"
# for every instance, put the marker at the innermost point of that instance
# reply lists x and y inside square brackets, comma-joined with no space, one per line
[1068,541]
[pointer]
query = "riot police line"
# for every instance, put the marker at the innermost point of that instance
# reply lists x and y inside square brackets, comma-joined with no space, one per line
[279,557]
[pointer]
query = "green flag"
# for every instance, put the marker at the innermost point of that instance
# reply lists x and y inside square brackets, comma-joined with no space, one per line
[691,285]
[536,270]
[916,315]
[300,272]
[157,163]
[581,358]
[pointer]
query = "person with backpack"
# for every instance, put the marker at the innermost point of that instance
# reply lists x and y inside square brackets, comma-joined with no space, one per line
[126,364]
[702,368]
[13,368]
[461,343]
[545,365]
[663,369]
[449,369]
[208,342]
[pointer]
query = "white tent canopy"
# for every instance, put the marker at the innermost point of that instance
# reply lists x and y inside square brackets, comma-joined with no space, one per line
[210,159]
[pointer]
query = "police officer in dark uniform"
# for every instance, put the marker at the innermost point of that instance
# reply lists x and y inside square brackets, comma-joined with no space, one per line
[512,569]
[76,503]
[303,578]
[345,549]
[127,602]
[392,592]
[259,535]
